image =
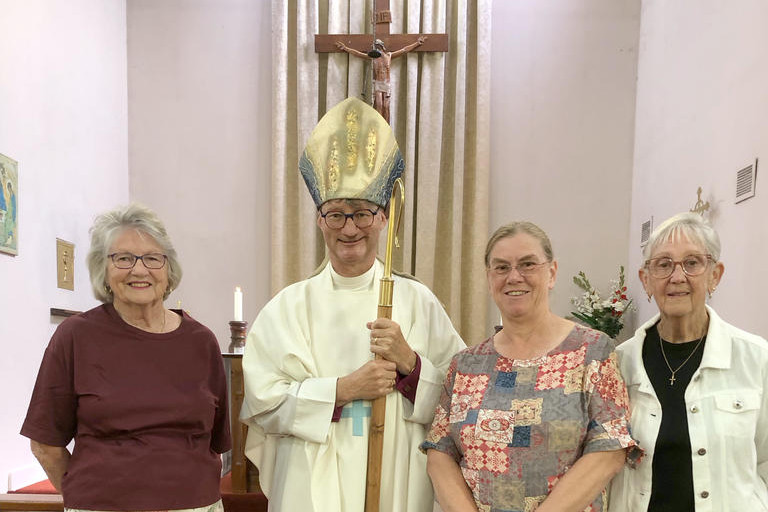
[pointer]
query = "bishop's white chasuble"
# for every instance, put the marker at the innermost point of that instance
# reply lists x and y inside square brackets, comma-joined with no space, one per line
[310,334]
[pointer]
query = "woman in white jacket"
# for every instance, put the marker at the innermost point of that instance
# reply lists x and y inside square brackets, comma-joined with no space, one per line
[698,387]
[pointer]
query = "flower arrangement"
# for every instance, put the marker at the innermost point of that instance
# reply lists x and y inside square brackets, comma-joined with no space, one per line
[602,314]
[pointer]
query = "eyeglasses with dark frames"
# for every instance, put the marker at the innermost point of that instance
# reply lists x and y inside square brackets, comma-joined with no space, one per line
[126,260]
[362,218]
[692,265]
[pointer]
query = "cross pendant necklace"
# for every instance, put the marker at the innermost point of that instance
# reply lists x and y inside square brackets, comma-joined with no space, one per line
[661,345]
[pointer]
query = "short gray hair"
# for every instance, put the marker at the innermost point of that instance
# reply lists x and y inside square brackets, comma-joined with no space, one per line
[512,229]
[110,225]
[692,226]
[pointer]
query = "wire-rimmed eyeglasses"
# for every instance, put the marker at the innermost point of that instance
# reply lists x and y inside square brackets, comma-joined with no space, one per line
[126,260]
[692,265]
[525,268]
[362,218]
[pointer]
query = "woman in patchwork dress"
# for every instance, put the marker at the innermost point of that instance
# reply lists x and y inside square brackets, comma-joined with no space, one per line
[535,417]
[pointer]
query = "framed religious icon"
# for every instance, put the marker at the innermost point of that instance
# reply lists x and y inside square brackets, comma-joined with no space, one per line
[9,205]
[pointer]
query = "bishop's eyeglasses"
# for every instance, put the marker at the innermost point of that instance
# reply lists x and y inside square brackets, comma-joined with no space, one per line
[126,260]
[363,218]
[693,265]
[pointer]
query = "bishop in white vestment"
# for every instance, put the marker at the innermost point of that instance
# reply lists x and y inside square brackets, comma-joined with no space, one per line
[309,368]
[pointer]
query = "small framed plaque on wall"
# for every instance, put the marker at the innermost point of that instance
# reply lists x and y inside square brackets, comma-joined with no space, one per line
[65,268]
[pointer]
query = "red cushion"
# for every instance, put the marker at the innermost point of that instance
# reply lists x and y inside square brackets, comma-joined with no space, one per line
[44,487]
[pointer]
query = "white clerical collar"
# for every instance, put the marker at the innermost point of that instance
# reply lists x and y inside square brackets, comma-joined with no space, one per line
[358,283]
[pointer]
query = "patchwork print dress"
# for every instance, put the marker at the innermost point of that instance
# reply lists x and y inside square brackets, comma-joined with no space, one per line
[516,426]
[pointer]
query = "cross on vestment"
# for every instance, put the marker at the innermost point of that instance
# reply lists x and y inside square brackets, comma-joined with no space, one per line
[357,411]
[364,46]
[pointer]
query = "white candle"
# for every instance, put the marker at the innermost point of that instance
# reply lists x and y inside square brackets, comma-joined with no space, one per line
[238,304]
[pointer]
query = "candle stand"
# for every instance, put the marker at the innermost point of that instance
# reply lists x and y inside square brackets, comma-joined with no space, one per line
[245,476]
[237,335]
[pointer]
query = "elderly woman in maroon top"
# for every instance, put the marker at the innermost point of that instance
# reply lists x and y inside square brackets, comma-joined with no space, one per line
[140,388]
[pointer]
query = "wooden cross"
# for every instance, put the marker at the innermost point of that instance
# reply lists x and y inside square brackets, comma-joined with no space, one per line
[394,45]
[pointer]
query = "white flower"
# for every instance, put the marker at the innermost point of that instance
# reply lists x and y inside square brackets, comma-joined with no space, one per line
[601,313]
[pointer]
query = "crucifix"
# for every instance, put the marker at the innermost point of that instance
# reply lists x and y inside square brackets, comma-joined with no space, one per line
[380,48]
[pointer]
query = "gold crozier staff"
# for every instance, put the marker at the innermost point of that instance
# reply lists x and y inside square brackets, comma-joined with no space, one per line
[379,405]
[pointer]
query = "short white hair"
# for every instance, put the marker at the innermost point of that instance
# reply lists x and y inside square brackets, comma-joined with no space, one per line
[692,226]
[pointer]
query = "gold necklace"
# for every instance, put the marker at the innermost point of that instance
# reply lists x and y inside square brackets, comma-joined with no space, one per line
[661,345]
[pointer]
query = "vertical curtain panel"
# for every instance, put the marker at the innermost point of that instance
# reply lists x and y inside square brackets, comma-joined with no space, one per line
[440,114]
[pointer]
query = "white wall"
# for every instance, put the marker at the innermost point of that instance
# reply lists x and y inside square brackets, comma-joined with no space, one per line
[199,85]
[701,116]
[63,117]
[563,95]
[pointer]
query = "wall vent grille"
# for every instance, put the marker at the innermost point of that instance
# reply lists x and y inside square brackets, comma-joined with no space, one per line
[745,182]
[645,231]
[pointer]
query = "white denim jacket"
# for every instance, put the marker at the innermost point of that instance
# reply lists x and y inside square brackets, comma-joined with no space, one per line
[727,402]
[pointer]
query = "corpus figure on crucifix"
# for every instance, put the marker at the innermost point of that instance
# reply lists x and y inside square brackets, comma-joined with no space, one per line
[380,56]
[381,85]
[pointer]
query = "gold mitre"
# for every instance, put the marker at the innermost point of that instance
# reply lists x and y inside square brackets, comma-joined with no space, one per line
[351,154]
